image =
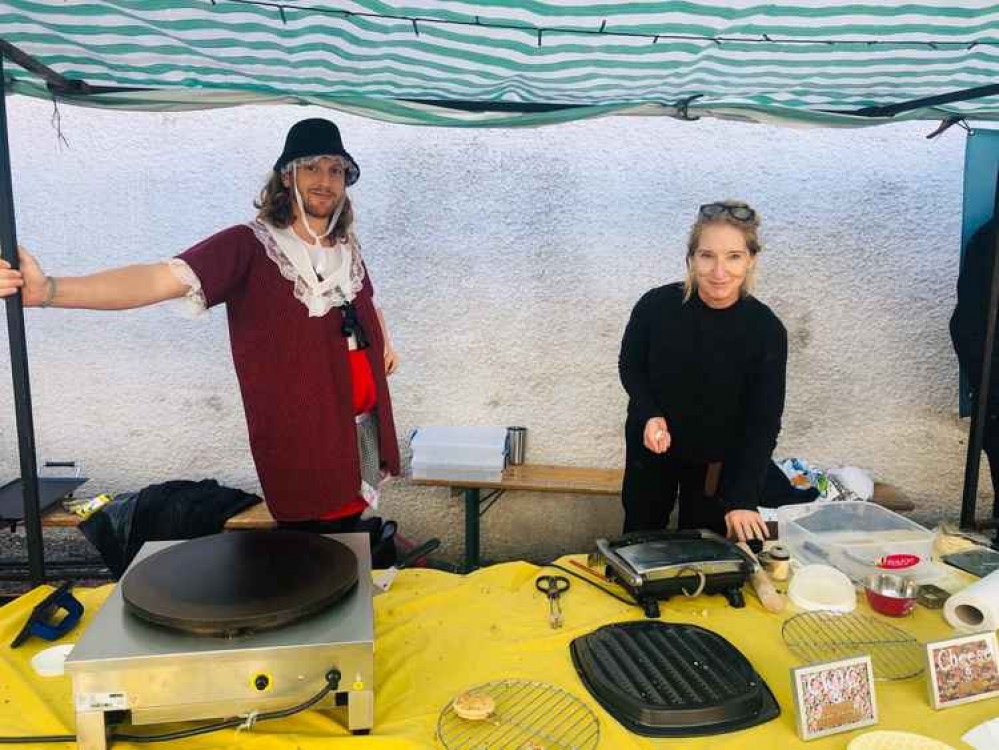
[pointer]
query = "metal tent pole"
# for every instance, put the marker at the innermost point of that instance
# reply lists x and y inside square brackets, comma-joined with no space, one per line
[964,95]
[19,359]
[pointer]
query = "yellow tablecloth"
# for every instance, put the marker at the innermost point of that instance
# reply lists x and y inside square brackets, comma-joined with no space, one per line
[438,634]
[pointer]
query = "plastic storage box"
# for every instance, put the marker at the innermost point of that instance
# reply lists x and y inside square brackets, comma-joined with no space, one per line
[857,537]
[461,453]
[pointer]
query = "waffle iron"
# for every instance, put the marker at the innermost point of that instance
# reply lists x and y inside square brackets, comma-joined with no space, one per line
[656,565]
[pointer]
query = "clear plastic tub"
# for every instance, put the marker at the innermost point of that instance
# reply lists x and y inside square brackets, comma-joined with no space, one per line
[463,453]
[460,445]
[455,472]
[855,536]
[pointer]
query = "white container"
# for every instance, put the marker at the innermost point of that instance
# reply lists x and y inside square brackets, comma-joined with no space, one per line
[455,472]
[460,445]
[854,536]
[463,453]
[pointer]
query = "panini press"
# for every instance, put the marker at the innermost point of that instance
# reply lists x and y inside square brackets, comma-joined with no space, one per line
[656,565]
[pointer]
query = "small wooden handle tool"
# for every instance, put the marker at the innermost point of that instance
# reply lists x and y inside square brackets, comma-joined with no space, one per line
[763,586]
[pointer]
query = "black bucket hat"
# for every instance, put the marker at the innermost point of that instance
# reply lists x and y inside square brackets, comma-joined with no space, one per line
[316,137]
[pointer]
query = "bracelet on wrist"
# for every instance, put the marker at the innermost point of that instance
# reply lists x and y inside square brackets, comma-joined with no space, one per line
[51,293]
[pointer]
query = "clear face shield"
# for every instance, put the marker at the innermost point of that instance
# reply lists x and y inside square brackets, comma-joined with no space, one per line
[341,166]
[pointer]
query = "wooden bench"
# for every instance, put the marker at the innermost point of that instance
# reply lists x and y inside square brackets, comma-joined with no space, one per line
[254,517]
[524,478]
[571,480]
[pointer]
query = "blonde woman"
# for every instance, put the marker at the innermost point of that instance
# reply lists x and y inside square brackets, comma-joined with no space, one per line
[703,362]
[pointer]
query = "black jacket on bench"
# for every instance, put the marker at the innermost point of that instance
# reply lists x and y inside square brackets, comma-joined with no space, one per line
[179,509]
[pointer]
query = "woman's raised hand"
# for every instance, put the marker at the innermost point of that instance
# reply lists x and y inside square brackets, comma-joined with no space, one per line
[657,437]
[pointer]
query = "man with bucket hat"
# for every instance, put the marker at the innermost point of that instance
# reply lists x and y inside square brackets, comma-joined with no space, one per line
[310,347]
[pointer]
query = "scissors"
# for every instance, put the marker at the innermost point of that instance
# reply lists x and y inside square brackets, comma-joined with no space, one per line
[553,587]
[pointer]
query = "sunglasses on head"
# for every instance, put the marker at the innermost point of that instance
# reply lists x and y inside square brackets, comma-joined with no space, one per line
[739,213]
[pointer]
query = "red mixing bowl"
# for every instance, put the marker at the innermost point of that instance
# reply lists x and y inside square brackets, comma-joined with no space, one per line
[891,594]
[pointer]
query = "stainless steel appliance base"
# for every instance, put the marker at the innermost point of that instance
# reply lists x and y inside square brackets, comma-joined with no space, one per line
[122,663]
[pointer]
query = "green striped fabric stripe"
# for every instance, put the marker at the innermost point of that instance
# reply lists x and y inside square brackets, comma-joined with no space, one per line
[807,62]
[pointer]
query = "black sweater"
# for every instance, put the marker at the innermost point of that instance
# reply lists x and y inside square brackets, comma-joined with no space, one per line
[716,376]
[967,324]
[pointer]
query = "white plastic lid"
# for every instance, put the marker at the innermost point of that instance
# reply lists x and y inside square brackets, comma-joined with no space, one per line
[50,662]
[821,587]
[487,437]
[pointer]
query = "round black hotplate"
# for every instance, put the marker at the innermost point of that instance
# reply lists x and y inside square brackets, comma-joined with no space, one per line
[239,582]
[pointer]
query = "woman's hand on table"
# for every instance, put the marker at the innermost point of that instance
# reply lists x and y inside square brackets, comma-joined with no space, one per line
[657,437]
[743,525]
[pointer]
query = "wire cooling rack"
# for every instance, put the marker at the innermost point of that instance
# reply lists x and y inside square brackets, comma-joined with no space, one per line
[527,715]
[828,636]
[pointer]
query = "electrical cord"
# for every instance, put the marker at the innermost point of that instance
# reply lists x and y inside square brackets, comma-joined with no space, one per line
[40,738]
[332,682]
[594,584]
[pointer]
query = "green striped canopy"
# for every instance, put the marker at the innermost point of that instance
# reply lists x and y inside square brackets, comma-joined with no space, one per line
[498,62]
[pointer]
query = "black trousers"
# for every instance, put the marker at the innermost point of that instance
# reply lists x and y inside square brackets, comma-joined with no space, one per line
[990,444]
[343,525]
[652,484]
[382,535]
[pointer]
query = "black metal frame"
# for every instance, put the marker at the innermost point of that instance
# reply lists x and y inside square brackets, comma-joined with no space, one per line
[53,79]
[890,110]
[70,89]
[19,362]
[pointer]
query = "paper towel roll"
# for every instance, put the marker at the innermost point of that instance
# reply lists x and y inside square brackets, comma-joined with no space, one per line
[975,609]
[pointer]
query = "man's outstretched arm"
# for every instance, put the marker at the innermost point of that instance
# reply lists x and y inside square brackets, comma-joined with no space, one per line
[116,289]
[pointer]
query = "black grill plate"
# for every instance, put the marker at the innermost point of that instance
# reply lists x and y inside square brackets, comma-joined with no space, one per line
[236,583]
[672,680]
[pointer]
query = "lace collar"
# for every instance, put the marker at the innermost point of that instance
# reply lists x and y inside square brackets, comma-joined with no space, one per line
[295,264]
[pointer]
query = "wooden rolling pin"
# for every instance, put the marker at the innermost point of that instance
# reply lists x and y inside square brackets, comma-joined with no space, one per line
[762,585]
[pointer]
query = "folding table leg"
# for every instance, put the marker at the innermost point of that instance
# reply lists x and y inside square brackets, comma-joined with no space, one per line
[471,529]
[90,733]
[360,711]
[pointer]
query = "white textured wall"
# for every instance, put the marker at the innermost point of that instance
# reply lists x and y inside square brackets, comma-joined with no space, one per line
[507,262]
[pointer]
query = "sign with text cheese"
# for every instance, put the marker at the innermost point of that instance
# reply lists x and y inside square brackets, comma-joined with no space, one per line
[961,670]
